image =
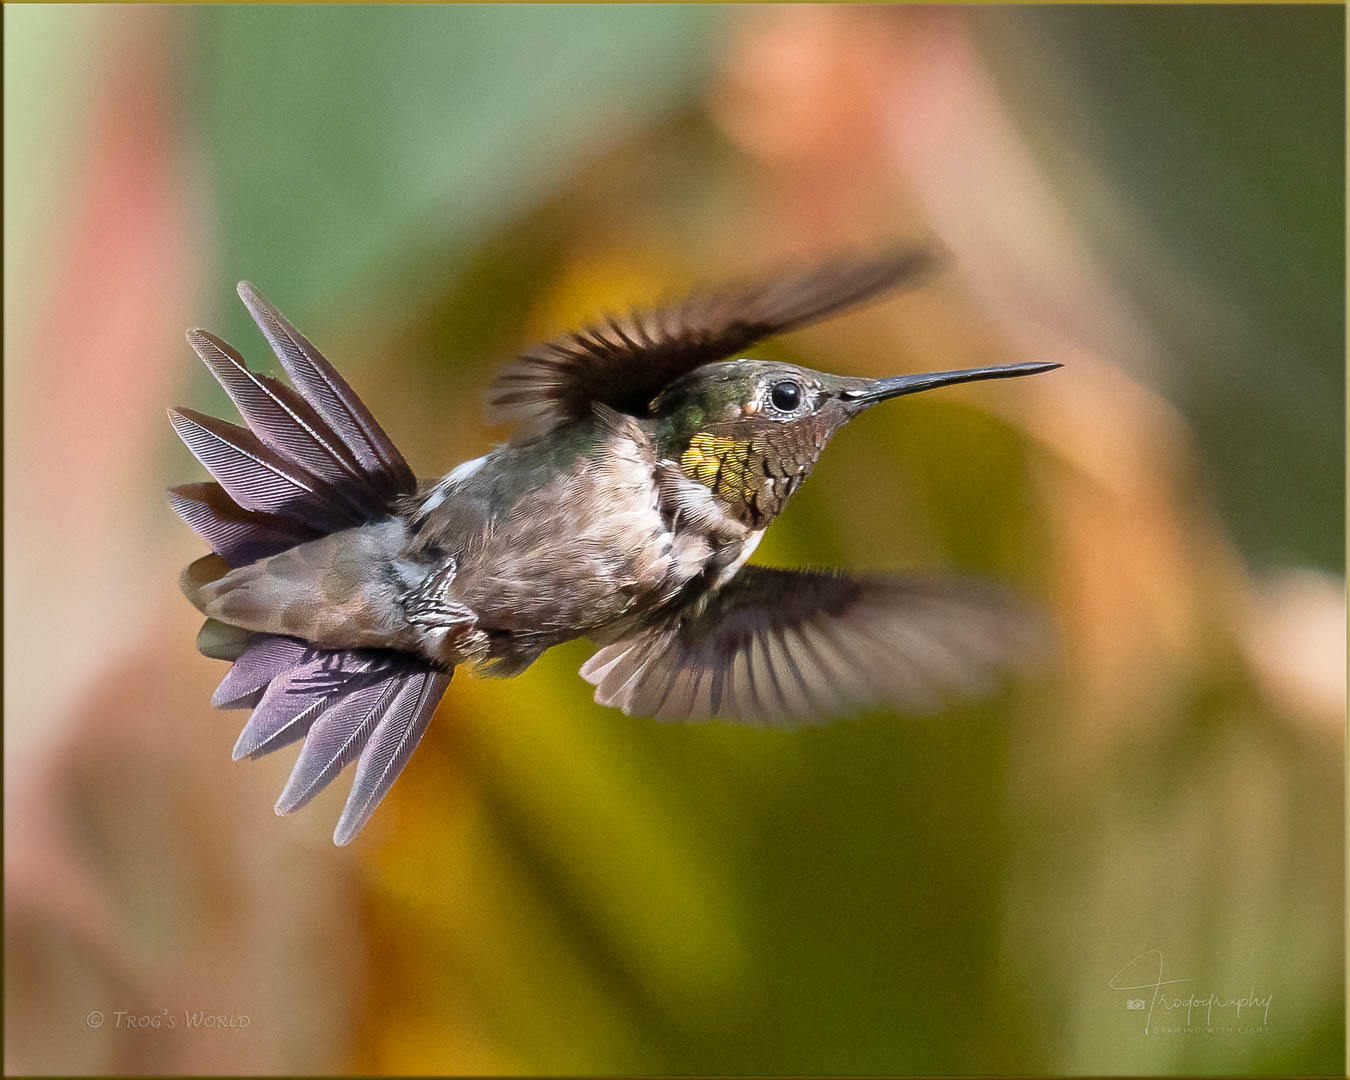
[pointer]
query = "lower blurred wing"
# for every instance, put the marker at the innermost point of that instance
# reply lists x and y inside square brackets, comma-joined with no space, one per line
[788,648]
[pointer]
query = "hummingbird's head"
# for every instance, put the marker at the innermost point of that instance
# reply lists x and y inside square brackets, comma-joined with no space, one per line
[751,430]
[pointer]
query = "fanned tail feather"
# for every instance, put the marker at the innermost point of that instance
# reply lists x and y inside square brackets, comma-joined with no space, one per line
[312,461]
[287,425]
[329,394]
[392,742]
[256,667]
[237,535]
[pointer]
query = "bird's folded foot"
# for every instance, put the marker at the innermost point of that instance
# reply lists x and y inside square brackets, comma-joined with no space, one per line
[429,604]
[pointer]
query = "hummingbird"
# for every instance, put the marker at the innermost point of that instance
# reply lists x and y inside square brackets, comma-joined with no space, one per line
[649,454]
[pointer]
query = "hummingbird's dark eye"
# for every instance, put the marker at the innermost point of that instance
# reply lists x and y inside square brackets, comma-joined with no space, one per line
[786,396]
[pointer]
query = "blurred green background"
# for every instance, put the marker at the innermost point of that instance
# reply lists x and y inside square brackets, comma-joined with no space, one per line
[1152,196]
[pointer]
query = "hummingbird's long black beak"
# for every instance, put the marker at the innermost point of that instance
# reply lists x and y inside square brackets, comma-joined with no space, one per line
[875,390]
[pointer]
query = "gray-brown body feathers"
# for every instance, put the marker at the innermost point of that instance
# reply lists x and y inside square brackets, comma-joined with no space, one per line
[527,547]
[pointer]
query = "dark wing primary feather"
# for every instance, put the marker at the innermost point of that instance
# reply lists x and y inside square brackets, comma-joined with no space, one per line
[626,362]
[787,648]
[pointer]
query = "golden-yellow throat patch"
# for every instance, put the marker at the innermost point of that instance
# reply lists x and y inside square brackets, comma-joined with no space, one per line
[725,465]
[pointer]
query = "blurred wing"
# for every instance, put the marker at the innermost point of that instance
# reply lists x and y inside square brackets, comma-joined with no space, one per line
[626,362]
[788,648]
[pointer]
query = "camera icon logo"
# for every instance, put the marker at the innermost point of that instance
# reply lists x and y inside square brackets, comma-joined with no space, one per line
[1135,1004]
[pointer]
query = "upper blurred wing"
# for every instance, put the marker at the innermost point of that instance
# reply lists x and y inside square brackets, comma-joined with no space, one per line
[626,362]
[788,648]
